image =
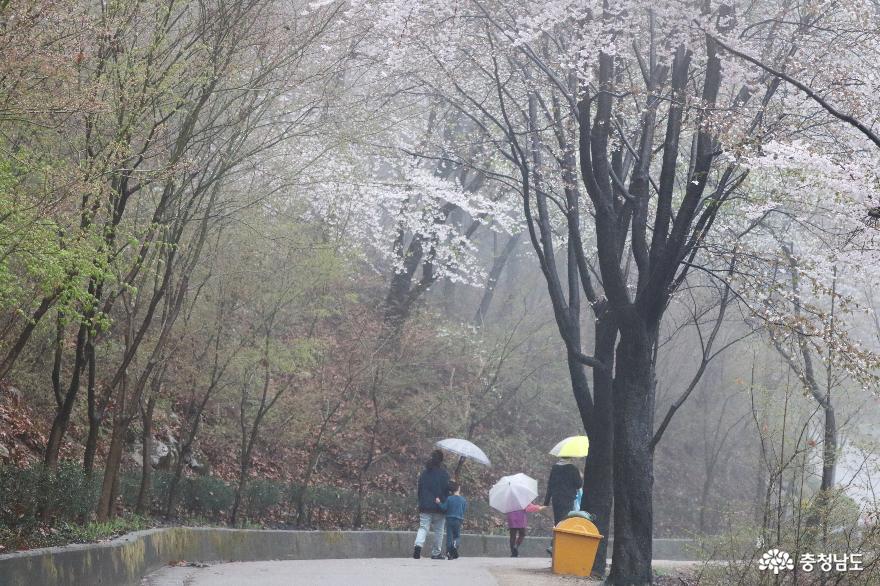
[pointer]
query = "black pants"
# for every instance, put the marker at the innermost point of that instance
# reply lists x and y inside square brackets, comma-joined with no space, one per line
[516,537]
[561,509]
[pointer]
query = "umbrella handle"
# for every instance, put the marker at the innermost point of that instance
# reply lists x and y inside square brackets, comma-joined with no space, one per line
[458,467]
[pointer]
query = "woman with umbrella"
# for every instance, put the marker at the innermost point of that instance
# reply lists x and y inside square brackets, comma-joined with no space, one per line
[565,479]
[513,495]
[433,484]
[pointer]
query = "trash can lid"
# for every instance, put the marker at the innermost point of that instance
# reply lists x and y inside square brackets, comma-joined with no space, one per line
[578,526]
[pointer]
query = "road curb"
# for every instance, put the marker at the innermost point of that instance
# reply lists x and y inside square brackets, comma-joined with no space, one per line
[126,560]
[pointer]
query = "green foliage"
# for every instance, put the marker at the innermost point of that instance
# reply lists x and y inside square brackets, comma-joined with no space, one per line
[70,496]
[62,496]
[40,255]
[261,495]
[207,496]
[94,531]
[67,493]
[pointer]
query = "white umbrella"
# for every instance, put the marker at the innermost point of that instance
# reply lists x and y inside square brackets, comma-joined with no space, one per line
[465,449]
[513,493]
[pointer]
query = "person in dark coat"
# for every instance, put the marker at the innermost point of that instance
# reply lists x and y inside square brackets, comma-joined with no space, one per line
[562,487]
[433,485]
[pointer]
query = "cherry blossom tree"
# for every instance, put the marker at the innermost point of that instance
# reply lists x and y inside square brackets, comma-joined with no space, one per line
[626,131]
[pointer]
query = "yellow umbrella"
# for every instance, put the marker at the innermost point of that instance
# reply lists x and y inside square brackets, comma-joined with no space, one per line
[576,446]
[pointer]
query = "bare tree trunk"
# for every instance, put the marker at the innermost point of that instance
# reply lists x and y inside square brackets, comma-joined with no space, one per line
[185,450]
[760,485]
[186,446]
[243,472]
[62,415]
[598,496]
[704,495]
[634,387]
[114,458]
[494,274]
[357,519]
[829,448]
[829,451]
[143,499]
[25,335]
[244,469]
[95,413]
[807,375]
[248,439]
[313,462]
[399,300]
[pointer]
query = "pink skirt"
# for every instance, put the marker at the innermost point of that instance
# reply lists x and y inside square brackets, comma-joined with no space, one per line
[517,520]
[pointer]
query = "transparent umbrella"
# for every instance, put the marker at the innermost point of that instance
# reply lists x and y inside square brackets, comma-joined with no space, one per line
[464,450]
[513,493]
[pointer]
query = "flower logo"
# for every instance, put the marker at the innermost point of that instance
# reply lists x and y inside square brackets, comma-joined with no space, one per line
[776,560]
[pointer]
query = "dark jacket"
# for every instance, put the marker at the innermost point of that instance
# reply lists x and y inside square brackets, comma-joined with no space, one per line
[454,507]
[433,483]
[565,480]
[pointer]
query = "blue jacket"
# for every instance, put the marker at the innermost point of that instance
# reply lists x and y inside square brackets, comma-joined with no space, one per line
[433,483]
[455,506]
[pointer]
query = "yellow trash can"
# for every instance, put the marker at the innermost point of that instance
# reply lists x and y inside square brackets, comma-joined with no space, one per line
[575,541]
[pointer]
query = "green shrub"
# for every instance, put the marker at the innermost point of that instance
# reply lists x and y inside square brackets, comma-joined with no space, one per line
[262,495]
[206,495]
[65,494]
[93,531]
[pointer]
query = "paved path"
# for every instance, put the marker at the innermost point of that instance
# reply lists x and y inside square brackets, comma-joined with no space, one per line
[369,572]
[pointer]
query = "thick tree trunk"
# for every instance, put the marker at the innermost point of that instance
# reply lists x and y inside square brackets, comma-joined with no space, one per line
[598,496]
[398,301]
[143,499]
[634,387]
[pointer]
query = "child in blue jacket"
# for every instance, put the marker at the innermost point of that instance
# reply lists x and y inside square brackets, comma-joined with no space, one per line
[454,507]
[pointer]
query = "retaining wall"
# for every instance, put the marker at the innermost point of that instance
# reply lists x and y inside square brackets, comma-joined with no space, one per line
[125,560]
